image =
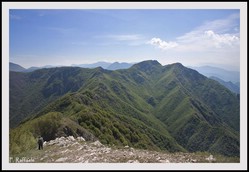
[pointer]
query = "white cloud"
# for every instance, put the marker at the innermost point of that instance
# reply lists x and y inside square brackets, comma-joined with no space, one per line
[219,40]
[123,37]
[162,44]
[218,34]
[216,41]
[208,40]
[213,35]
[221,25]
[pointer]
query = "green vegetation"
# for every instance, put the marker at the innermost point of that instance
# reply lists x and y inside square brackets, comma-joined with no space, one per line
[49,126]
[30,92]
[24,137]
[147,106]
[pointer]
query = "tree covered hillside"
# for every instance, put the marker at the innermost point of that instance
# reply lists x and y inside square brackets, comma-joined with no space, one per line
[147,106]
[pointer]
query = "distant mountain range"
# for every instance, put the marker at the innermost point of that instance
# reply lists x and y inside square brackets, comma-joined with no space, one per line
[16,67]
[147,106]
[229,79]
[225,75]
[231,86]
[104,65]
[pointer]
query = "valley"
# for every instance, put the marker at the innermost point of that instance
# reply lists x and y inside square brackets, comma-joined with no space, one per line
[147,106]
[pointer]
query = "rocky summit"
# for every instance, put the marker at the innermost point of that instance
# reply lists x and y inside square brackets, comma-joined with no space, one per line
[77,150]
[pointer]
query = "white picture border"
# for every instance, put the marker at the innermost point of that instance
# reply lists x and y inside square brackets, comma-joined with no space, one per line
[6,6]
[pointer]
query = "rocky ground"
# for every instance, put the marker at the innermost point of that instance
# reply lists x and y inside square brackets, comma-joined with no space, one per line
[77,150]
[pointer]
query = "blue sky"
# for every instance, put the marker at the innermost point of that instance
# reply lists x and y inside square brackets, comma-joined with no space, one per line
[66,37]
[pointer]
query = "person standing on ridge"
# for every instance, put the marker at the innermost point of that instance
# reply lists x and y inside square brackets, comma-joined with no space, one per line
[40,142]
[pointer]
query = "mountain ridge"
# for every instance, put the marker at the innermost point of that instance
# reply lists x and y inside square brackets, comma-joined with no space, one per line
[226,75]
[231,86]
[168,107]
[16,67]
[105,65]
[209,71]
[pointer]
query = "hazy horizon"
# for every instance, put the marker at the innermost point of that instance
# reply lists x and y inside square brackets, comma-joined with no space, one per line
[77,65]
[66,37]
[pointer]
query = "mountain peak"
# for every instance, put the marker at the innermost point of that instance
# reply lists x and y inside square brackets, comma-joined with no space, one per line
[178,65]
[117,65]
[152,62]
[147,64]
[16,67]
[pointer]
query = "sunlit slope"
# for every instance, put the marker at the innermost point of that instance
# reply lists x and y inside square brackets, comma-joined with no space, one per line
[146,106]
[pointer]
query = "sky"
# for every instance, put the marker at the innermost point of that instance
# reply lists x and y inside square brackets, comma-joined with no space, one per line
[193,37]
